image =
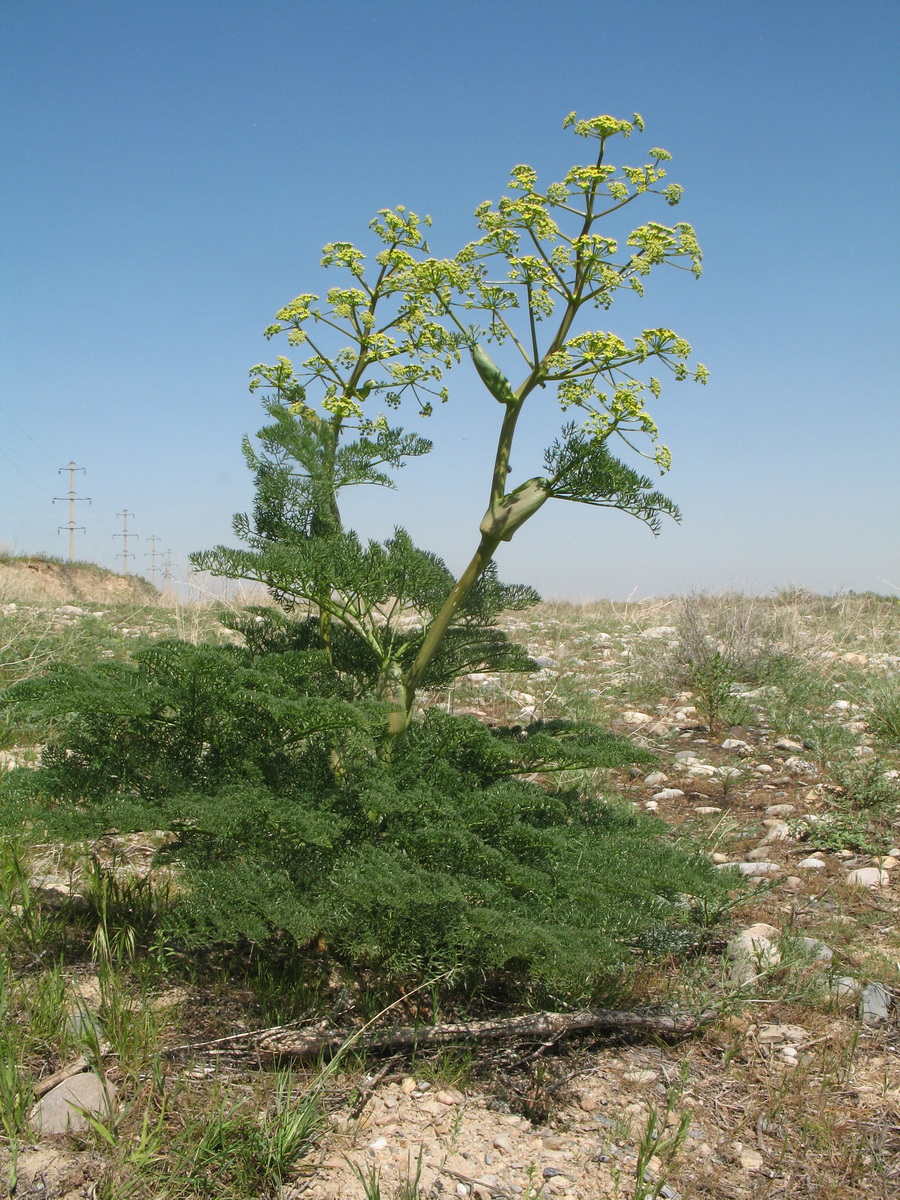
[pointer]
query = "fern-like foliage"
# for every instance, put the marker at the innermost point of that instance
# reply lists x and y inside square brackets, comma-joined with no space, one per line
[442,857]
[582,470]
[303,464]
[183,716]
[381,597]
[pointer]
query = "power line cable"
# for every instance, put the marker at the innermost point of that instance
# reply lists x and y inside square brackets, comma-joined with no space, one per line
[21,472]
[22,429]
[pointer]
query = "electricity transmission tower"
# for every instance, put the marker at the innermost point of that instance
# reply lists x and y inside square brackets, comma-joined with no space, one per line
[152,554]
[71,497]
[125,535]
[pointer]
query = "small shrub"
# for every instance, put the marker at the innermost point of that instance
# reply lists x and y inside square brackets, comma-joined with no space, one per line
[884,715]
[291,832]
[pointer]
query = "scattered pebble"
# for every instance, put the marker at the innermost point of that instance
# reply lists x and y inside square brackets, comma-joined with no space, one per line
[643,1076]
[788,744]
[751,1160]
[819,951]
[759,868]
[812,864]
[845,987]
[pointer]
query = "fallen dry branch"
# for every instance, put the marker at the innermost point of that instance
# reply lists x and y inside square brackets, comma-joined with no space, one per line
[67,1072]
[314,1041]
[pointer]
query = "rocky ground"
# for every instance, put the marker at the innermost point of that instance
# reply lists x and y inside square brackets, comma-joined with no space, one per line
[792,1085]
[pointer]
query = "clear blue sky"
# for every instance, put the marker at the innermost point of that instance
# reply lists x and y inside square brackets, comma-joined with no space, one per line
[171,171]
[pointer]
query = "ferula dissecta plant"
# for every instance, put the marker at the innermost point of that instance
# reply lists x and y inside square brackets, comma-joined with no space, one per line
[524,292]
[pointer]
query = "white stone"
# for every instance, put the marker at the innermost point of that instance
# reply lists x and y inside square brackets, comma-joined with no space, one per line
[685,756]
[735,744]
[656,779]
[779,831]
[874,1003]
[777,1032]
[668,794]
[639,1076]
[811,864]
[786,743]
[651,806]
[760,929]
[753,952]
[701,771]
[631,717]
[799,766]
[758,868]
[757,854]
[817,949]
[58,1111]
[706,810]
[845,987]
[868,877]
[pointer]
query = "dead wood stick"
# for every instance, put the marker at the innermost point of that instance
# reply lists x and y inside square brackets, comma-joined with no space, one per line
[67,1072]
[496,1190]
[313,1041]
[366,1090]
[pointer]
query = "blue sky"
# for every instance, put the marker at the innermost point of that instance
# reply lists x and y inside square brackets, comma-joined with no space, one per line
[171,172]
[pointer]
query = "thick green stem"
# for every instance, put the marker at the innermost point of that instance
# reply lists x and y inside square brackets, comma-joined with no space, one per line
[392,689]
[441,623]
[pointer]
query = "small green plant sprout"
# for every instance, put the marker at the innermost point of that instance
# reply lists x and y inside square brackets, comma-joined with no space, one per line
[730,777]
[544,257]
[16,1096]
[662,1138]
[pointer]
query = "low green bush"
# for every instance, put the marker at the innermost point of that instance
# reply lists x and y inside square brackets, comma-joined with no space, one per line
[291,831]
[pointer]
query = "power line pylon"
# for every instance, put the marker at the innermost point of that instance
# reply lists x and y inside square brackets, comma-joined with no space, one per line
[71,497]
[125,535]
[152,554]
[167,565]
